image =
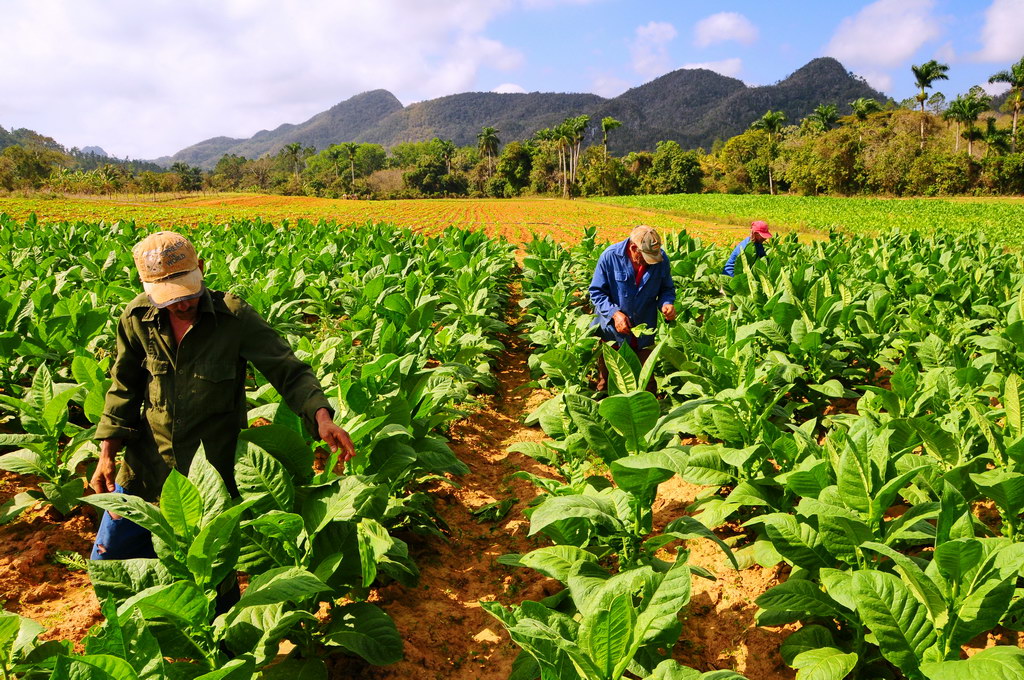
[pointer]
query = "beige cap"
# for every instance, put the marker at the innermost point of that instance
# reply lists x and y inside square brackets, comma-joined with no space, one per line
[648,242]
[169,268]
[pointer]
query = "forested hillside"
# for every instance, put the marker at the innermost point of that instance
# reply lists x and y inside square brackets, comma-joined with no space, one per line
[693,107]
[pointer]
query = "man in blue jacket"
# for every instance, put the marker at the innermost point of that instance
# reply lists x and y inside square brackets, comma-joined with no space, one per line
[632,281]
[758,234]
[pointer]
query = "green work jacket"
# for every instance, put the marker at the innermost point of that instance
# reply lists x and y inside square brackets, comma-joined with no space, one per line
[166,400]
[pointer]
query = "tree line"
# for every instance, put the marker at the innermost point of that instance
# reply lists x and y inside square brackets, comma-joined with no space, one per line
[925,145]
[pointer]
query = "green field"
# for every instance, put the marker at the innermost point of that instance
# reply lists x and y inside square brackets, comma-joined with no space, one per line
[1001,219]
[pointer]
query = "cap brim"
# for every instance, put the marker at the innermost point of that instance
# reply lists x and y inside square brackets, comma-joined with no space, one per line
[651,259]
[178,289]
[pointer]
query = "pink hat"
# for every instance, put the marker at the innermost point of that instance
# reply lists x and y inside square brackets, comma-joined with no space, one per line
[760,227]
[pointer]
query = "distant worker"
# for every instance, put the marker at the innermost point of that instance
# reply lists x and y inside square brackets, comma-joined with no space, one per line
[632,281]
[178,381]
[758,234]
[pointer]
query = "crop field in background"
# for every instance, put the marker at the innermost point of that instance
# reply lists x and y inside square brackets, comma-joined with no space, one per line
[1002,219]
[514,219]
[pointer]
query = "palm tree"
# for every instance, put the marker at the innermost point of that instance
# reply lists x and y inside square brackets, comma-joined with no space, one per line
[956,112]
[976,102]
[446,150]
[996,139]
[488,142]
[1015,77]
[350,149]
[923,77]
[293,150]
[608,123]
[771,122]
[863,107]
[825,116]
[577,128]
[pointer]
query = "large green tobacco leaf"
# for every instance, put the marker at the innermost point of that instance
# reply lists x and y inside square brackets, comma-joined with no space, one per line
[606,635]
[661,609]
[210,486]
[842,536]
[346,499]
[127,639]
[805,639]
[181,505]
[824,664]
[804,599]
[180,601]
[898,621]
[641,473]
[286,445]
[214,552]
[121,579]
[556,561]
[542,633]
[632,415]
[138,511]
[236,669]
[586,416]
[264,481]
[795,541]
[364,629]
[596,509]
[623,367]
[994,663]
[259,630]
[284,584]
[93,667]
[297,669]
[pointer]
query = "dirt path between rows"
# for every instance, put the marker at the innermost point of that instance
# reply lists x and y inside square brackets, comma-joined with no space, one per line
[447,634]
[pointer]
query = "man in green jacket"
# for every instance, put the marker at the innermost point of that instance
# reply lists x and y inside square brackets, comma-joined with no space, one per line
[179,381]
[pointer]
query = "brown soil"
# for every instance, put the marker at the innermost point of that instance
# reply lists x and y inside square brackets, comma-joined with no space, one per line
[31,583]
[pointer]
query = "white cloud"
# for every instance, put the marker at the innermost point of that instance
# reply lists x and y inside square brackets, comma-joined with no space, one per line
[727,67]
[885,33]
[879,80]
[649,48]
[608,85]
[1002,36]
[723,27]
[147,78]
[509,88]
[946,53]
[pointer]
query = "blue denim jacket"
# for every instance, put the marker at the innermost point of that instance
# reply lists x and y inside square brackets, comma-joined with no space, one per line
[730,265]
[614,288]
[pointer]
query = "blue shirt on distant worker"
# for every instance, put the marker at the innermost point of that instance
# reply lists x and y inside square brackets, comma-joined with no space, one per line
[730,265]
[614,288]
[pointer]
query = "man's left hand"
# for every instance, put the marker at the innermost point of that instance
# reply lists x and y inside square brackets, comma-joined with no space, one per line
[669,312]
[335,436]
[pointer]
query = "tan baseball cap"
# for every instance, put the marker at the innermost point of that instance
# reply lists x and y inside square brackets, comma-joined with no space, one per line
[169,268]
[646,239]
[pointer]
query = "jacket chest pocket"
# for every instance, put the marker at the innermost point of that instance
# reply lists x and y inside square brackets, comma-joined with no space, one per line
[213,388]
[160,387]
[625,286]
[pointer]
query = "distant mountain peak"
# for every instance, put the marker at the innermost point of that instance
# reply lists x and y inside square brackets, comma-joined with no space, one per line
[690,106]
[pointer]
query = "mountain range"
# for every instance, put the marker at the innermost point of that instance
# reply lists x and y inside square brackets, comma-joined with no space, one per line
[693,107]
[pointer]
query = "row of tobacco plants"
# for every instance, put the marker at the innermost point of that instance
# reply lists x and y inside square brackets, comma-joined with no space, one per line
[400,327]
[858,407]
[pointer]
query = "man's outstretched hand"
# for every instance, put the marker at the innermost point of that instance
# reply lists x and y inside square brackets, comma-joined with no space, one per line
[335,436]
[669,312]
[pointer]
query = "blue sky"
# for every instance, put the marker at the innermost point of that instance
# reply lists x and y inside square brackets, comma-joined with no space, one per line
[144,79]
